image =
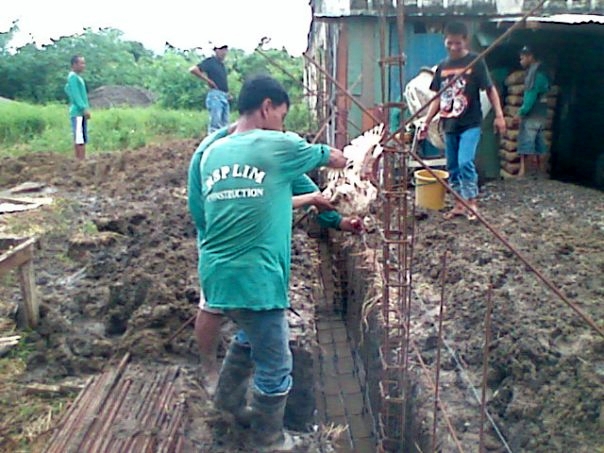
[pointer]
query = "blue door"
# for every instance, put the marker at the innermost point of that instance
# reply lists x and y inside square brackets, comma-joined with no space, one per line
[422,49]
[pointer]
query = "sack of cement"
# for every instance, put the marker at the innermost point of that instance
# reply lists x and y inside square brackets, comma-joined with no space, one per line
[513,99]
[516,89]
[515,78]
[510,167]
[509,145]
[509,156]
[511,110]
[511,134]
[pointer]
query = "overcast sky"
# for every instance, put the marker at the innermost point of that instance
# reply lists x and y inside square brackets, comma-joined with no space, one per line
[183,23]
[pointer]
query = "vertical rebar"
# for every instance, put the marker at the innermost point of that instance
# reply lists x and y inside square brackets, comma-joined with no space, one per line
[485,364]
[438,347]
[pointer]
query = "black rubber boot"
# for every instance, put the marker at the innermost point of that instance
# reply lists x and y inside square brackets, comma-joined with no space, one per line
[233,382]
[267,423]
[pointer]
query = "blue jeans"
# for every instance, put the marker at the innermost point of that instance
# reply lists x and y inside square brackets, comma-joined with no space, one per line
[460,151]
[267,332]
[217,103]
[531,138]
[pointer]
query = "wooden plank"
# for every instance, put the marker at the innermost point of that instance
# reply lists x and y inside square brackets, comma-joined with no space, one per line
[17,256]
[29,309]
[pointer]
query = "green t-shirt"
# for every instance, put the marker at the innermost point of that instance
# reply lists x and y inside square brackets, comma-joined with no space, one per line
[76,92]
[247,214]
[534,101]
[301,185]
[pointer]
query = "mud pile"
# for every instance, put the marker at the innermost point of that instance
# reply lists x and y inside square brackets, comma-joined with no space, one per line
[116,270]
[120,95]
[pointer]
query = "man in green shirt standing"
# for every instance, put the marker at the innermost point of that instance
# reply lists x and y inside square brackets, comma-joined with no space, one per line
[533,112]
[244,259]
[79,108]
[305,193]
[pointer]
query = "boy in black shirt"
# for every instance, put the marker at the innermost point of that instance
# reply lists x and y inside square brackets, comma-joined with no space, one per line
[461,114]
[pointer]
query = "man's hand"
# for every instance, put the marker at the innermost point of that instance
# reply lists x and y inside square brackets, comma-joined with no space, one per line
[212,84]
[87,114]
[352,224]
[321,203]
[315,199]
[423,131]
[336,158]
[499,124]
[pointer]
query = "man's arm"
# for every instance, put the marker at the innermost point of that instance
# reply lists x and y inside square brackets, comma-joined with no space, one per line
[312,199]
[432,111]
[328,218]
[499,122]
[336,158]
[202,75]
[307,193]
[530,96]
[305,188]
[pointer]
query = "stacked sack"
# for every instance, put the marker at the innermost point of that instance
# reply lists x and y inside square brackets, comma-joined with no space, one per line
[509,157]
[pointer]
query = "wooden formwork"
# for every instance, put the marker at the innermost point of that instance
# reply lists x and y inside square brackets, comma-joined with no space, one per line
[18,253]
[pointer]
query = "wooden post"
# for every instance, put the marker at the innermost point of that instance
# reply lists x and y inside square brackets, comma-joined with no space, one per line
[20,257]
[29,310]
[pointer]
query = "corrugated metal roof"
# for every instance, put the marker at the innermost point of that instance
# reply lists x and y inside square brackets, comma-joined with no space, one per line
[568,19]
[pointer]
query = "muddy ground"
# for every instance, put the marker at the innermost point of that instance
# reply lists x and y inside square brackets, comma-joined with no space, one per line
[545,380]
[116,271]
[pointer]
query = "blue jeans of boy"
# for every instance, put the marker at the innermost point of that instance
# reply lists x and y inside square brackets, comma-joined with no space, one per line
[267,332]
[460,151]
[217,103]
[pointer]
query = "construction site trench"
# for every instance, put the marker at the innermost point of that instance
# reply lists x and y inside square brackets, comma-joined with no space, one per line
[114,369]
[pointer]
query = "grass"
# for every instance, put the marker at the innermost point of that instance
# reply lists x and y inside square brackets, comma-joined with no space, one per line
[26,128]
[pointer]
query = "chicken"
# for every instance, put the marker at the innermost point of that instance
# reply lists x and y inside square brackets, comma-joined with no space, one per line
[346,188]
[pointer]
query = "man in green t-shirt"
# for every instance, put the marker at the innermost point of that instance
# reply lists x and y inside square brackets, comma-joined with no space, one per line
[532,114]
[79,108]
[244,259]
[305,193]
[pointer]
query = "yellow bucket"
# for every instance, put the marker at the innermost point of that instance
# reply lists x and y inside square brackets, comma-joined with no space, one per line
[429,192]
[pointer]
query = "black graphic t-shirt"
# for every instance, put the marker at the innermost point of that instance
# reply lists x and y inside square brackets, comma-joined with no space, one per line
[460,103]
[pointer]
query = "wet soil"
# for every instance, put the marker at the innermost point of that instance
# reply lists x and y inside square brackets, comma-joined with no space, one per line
[545,378]
[116,272]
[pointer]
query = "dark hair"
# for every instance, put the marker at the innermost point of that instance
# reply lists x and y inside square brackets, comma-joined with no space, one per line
[75,59]
[457,29]
[258,88]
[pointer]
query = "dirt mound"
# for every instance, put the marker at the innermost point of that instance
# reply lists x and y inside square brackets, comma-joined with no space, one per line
[120,95]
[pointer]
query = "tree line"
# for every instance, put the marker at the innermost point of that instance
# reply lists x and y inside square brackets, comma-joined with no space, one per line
[37,74]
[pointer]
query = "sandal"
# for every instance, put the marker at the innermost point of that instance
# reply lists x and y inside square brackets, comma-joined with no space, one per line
[469,214]
[452,214]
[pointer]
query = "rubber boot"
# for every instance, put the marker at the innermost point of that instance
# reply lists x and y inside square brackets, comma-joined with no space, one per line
[267,423]
[233,381]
